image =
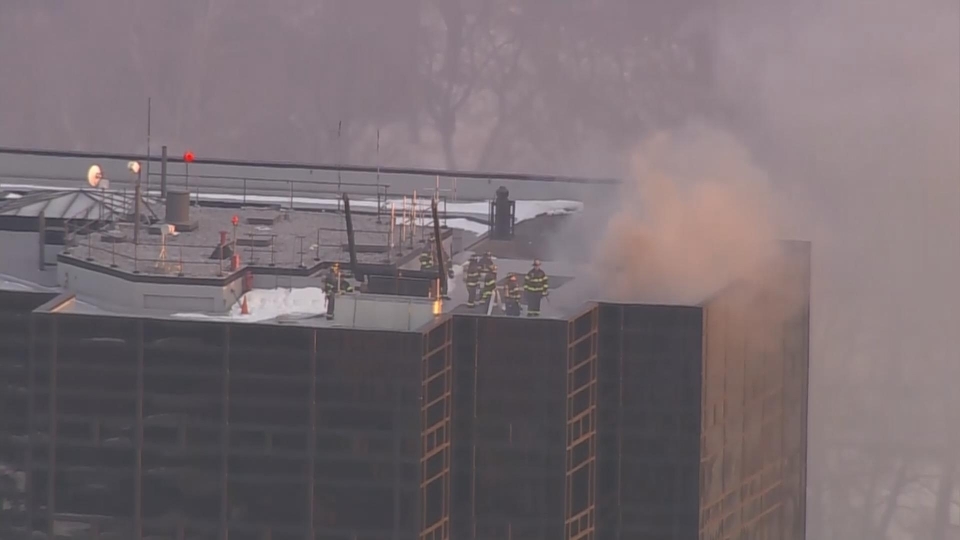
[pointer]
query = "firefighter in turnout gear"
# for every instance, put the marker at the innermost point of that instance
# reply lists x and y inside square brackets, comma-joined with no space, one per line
[513,296]
[486,262]
[426,258]
[489,286]
[537,285]
[472,275]
[333,285]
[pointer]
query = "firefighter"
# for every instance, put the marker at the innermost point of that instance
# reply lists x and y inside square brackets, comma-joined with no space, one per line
[472,275]
[513,295]
[537,285]
[489,286]
[426,258]
[333,285]
[486,262]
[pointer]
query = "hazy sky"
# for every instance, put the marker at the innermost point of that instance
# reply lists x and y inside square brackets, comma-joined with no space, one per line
[848,111]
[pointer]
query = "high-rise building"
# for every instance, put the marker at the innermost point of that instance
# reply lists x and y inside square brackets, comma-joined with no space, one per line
[403,419]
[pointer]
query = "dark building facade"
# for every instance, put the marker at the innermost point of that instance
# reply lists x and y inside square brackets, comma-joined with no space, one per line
[622,421]
[178,429]
[650,388]
[15,343]
[525,410]
[754,435]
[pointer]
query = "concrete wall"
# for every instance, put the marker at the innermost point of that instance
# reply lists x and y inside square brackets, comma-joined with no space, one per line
[149,296]
[261,281]
[384,312]
[19,257]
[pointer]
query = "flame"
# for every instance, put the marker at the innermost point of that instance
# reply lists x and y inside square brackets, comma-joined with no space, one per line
[438,306]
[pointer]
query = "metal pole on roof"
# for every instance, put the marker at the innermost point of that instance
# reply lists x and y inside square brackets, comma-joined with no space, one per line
[148,143]
[42,237]
[136,207]
[339,159]
[163,172]
[378,176]
[393,225]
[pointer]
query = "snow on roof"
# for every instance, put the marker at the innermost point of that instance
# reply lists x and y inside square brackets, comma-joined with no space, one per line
[267,304]
[10,283]
[468,225]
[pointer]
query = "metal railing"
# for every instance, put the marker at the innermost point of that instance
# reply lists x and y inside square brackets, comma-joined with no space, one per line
[423,172]
[188,259]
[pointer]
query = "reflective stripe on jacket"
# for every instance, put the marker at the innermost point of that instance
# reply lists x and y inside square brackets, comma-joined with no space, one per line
[536,281]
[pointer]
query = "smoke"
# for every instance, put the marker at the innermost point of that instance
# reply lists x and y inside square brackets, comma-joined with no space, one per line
[841,126]
[853,108]
[695,215]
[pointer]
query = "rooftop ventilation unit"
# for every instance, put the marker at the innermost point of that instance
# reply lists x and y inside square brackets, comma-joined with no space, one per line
[178,211]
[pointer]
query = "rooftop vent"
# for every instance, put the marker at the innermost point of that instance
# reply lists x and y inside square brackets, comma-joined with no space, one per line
[263,219]
[178,211]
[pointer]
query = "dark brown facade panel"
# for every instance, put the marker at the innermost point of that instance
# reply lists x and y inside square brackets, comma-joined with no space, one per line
[650,360]
[754,435]
[510,400]
[200,472]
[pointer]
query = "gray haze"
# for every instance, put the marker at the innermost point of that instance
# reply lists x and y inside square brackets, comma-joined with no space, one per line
[836,121]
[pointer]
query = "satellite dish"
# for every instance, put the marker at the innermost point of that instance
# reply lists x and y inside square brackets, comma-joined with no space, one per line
[95,178]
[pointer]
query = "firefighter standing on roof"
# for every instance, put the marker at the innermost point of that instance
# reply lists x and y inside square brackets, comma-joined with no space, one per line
[513,295]
[426,258]
[537,285]
[472,275]
[489,286]
[333,285]
[486,262]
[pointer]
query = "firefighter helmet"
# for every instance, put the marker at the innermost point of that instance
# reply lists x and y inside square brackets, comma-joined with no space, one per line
[474,258]
[536,263]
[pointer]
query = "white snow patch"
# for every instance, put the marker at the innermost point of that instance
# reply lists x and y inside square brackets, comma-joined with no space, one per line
[524,210]
[467,225]
[13,286]
[266,304]
[10,283]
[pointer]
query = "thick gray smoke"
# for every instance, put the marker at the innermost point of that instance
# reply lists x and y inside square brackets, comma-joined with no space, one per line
[694,215]
[854,107]
[851,112]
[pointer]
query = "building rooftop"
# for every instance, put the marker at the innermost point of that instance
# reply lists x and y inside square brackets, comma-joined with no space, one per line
[264,237]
